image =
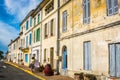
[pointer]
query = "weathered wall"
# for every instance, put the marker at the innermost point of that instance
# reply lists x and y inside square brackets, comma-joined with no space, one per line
[99,39]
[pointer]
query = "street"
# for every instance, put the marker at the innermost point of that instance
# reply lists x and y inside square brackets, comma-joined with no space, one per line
[8,72]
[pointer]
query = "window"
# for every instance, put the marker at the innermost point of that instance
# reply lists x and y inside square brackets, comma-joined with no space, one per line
[52,27]
[38,35]
[26,41]
[114,60]
[86,11]
[112,7]
[27,25]
[49,7]
[34,21]
[87,55]
[46,31]
[30,21]
[38,18]
[64,23]
[30,39]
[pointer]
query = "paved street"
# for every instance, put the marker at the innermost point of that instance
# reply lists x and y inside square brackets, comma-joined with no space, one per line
[8,72]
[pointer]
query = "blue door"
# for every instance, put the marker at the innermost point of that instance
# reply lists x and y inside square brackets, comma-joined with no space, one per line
[26,57]
[65,58]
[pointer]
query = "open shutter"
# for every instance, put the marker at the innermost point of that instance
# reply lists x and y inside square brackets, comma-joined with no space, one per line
[115,6]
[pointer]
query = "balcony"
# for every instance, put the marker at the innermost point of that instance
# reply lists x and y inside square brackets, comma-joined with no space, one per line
[24,50]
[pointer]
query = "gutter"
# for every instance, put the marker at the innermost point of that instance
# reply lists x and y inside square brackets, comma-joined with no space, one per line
[58,36]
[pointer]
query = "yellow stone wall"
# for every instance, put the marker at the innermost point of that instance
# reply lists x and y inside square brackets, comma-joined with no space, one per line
[99,39]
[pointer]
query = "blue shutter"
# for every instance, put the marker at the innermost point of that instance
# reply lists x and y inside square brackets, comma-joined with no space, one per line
[26,25]
[38,18]
[30,40]
[64,21]
[86,11]
[109,7]
[117,60]
[115,3]
[112,7]
[112,60]
[87,56]
[30,21]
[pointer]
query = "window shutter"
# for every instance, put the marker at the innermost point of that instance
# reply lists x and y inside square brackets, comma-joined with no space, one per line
[109,7]
[63,23]
[65,28]
[30,21]
[115,3]
[48,26]
[86,11]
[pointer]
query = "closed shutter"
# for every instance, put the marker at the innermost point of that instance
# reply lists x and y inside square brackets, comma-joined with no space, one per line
[87,56]
[30,21]
[112,59]
[86,11]
[115,3]
[117,60]
[109,7]
[112,7]
[30,39]
[64,21]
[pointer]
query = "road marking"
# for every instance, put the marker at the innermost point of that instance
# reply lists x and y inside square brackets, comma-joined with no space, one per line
[27,71]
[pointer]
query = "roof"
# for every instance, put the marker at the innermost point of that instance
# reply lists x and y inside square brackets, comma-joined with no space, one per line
[35,11]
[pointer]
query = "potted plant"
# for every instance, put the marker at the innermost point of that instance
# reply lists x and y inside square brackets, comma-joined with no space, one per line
[79,76]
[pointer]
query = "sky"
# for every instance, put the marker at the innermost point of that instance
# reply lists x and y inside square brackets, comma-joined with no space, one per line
[12,12]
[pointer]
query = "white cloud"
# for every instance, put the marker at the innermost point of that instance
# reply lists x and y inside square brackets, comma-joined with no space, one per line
[20,8]
[7,33]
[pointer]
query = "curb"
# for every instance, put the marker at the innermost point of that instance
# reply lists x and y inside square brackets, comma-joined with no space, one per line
[27,71]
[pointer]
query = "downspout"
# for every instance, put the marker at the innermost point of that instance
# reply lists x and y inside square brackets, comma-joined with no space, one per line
[41,38]
[58,36]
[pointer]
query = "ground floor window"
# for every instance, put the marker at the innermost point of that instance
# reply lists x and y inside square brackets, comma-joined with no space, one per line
[26,57]
[114,60]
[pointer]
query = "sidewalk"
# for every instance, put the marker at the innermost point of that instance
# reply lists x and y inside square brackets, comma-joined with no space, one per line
[40,74]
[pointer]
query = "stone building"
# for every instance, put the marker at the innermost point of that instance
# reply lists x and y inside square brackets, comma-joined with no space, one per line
[89,37]
[74,36]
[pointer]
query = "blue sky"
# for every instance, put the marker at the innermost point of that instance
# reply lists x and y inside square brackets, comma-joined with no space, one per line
[12,12]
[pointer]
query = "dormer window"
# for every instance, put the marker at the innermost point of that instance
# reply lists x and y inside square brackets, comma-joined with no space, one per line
[49,7]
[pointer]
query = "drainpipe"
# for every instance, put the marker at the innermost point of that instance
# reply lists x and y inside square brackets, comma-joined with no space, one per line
[58,36]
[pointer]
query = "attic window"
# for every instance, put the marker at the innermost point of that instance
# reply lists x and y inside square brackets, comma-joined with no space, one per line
[49,7]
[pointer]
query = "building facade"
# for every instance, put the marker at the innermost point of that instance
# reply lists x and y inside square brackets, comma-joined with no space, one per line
[89,37]
[74,36]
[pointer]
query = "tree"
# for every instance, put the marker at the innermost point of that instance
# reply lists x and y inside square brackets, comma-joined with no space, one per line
[1,54]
